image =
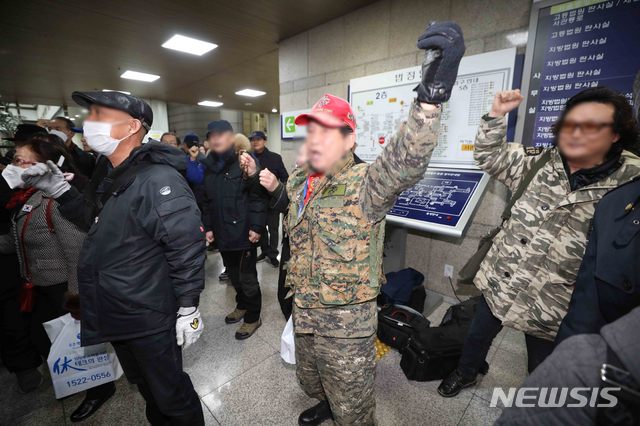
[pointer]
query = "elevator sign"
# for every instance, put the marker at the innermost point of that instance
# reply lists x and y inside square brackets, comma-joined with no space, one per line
[288,128]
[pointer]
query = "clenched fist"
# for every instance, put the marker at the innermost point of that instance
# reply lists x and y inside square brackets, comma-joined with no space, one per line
[248,164]
[268,180]
[504,102]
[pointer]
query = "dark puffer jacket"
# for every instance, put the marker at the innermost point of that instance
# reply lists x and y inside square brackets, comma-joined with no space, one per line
[233,205]
[144,254]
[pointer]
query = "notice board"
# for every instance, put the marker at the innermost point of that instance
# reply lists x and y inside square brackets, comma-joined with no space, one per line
[572,46]
[444,200]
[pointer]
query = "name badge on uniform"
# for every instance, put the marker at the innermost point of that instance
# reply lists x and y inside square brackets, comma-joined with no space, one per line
[338,190]
[27,208]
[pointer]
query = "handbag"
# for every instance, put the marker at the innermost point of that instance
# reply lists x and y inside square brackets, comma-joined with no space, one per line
[433,353]
[468,272]
[397,323]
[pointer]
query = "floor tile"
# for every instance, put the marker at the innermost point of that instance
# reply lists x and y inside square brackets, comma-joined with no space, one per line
[479,413]
[50,414]
[268,394]
[218,357]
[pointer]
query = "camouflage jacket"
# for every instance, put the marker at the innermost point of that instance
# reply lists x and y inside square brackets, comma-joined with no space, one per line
[337,237]
[529,273]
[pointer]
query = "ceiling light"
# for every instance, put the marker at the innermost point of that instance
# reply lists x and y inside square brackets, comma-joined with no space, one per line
[274,110]
[189,45]
[77,115]
[135,75]
[252,93]
[210,103]
[121,91]
[248,104]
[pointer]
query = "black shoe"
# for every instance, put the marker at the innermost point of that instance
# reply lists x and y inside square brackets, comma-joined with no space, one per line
[28,380]
[316,414]
[454,383]
[89,406]
[224,276]
[274,262]
[261,257]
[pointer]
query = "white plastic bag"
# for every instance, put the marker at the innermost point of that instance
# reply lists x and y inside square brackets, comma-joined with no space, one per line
[75,368]
[288,343]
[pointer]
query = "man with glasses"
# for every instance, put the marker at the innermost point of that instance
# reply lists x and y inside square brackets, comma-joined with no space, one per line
[529,273]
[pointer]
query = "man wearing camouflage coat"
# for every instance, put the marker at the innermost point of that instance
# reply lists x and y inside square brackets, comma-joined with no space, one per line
[529,273]
[336,231]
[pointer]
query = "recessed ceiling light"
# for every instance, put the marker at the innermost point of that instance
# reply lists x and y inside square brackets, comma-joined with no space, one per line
[210,103]
[121,91]
[252,93]
[77,115]
[141,76]
[189,45]
[248,104]
[274,110]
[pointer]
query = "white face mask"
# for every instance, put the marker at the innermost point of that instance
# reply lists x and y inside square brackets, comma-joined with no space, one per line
[98,135]
[59,134]
[13,175]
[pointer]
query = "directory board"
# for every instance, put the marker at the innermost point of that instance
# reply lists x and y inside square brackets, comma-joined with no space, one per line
[575,45]
[441,202]
[445,199]
[382,101]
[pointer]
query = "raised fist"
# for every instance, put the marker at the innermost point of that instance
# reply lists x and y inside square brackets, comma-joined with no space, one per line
[504,102]
[443,44]
[268,180]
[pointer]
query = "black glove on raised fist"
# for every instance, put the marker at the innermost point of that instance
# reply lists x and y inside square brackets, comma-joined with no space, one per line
[444,47]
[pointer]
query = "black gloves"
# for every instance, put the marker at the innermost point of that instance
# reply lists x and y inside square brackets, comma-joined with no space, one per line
[444,47]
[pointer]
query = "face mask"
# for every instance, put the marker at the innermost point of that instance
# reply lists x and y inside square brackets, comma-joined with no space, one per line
[98,135]
[13,175]
[59,134]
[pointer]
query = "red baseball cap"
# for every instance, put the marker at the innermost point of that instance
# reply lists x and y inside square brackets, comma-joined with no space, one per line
[330,111]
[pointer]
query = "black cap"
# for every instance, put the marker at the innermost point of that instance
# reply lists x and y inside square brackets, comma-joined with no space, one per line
[191,140]
[219,126]
[26,131]
[135,107]
[257,135]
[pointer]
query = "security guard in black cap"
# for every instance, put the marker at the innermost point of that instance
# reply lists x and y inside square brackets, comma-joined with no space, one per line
[141,268]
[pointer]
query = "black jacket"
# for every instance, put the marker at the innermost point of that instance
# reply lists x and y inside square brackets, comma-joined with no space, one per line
[608,282]
[273,162]
[144,252]
[233,205]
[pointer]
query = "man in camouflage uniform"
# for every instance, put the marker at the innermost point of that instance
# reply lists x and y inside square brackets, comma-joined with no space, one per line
[336,230]
[529,273]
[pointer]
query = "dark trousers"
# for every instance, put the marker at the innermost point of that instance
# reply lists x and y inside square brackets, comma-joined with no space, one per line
[48,304]
[16,351]
[286,304]
[269,239]
[241,267]
[154,364]
[484,328]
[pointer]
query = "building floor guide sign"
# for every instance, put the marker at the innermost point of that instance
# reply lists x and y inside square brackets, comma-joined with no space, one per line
[444,200]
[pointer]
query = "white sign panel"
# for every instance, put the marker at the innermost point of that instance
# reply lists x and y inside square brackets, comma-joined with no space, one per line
[382,101]
[288,128]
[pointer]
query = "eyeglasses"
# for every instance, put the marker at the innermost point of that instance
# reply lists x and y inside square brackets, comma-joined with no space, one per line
[587,127]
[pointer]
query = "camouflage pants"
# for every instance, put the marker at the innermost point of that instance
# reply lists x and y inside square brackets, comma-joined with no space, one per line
[341,371]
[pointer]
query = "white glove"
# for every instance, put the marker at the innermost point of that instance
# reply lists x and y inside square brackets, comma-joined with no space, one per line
[46,177]
[189,326]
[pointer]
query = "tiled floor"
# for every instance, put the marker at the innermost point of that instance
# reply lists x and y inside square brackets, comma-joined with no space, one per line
[246,383]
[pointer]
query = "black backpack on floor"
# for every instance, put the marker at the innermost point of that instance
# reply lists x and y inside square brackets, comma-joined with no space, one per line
[433,353]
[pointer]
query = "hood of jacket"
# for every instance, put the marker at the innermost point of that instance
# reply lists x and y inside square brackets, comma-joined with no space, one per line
[617,336]
[154,152]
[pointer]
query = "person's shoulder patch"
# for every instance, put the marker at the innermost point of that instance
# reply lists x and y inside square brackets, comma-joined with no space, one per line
[338,190]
